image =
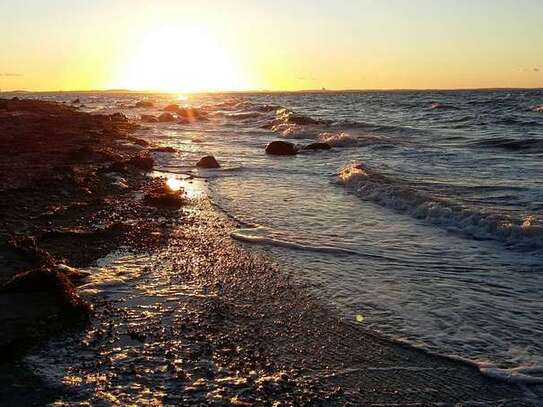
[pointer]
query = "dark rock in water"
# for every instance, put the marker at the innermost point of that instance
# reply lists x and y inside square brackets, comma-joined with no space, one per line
[163,150]
[148,118]
[318,146]
[189,113]
[281,148]
[76,102]
[144,103]
[164,197]
[208,162]
[166,117]
[138,141]
[302,120]
[118,117]
[143,162]
[171,108]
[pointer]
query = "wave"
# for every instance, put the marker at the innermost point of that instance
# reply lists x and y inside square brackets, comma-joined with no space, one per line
[374,127]
[248,236]
[516,375]
[526,233]
[505,143]
[344,139]
[243,115]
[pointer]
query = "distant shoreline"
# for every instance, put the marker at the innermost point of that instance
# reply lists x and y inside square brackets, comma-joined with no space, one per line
[258,92]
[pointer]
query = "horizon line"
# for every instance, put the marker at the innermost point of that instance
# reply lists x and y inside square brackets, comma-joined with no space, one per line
[323,90]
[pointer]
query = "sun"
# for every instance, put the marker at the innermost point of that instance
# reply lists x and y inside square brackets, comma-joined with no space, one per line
[182,59]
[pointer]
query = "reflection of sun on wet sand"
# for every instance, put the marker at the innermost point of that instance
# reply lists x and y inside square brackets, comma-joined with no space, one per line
[181,313]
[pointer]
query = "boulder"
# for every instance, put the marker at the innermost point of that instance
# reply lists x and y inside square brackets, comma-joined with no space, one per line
[171,108]
[148,118]
[166,117]
[281,148]
[164,197]
[118,117]
[318,146]
[208,162]
[144,103]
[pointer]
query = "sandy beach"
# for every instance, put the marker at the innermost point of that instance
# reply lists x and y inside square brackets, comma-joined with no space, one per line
[175,312]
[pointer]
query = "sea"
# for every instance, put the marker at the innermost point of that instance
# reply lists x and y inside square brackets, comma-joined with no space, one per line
[423,222]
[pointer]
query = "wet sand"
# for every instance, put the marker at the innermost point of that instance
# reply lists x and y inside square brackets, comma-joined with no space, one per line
[182,315]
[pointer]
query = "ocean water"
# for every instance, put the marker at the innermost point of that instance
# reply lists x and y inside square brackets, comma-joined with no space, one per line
[425,217]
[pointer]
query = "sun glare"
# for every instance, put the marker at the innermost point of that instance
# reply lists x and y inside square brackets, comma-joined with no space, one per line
[182,59]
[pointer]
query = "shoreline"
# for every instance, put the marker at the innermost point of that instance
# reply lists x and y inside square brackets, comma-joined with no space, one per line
[292,348]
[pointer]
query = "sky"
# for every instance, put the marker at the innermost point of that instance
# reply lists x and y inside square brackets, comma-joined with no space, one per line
[214,45]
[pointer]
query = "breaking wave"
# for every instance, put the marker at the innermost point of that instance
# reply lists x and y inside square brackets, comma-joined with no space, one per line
[524,233]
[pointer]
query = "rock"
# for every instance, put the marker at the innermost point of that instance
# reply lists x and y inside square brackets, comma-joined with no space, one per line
[164,197]
[137,141]
[187,114]
[72,273]
[118,117]
[166,117]
[318,146]
[171,108]
[118,166]
[281,148]
[148,118]
[144,103]
[142,161]
[302,120]
[163,150]
[55,282]
[208,162]
[76,102]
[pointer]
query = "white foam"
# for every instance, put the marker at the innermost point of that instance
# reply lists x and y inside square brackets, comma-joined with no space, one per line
[252,236]
[400,196]
[340,139]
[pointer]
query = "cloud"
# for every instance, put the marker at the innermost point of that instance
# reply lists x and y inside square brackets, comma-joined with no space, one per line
[10,74]
[536,69]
